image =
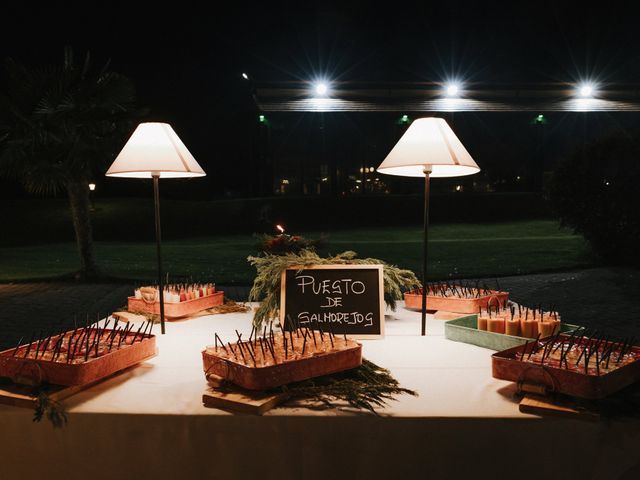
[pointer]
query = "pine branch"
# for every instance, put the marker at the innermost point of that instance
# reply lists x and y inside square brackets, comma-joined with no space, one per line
[52,410]
[364,388]
[266,286]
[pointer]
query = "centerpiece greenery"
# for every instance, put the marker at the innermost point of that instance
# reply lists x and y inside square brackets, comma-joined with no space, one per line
[266,286]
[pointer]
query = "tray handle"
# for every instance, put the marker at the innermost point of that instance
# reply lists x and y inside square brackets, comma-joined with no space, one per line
[531,387]
[34,376]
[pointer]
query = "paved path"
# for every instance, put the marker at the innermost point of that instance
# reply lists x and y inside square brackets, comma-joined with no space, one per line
[607,298]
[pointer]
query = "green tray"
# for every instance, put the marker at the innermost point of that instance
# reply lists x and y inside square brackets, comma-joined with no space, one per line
[465,329]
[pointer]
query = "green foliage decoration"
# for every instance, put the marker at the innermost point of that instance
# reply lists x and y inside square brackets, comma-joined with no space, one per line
[266,286]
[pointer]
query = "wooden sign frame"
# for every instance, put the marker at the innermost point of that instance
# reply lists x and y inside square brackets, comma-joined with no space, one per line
[381,303]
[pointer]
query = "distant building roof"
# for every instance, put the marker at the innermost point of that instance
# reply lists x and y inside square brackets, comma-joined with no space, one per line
[429,97]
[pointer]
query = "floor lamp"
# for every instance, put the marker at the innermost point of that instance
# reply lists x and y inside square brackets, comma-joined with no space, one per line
[428,148]
[155,151]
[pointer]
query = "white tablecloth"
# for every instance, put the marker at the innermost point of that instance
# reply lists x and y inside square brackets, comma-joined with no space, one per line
[150,421]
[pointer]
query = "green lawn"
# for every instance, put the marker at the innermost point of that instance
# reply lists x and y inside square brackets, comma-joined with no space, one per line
[456,250]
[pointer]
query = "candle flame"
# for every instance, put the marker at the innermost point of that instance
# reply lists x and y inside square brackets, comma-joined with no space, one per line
[280,228]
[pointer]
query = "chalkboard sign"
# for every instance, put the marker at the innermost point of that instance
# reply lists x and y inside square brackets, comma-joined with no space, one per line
[343,299]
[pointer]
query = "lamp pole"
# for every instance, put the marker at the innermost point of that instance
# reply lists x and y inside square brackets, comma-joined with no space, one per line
[156,204]
[427,176]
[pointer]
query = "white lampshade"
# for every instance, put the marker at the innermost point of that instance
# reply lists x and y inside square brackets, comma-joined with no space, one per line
[429,142]
[155,149]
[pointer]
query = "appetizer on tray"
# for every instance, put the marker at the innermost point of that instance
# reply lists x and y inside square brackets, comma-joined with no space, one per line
[79,356]
[455,297]
[180,300]
[591,367]
[279,358]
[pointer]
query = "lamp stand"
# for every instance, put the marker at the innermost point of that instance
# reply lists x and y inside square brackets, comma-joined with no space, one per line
[156,204]
[427,173]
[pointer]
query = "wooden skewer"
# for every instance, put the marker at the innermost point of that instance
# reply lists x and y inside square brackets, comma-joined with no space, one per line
[123,334]
[313,336]
[58,347]
[113,337]
[240,345]
[87,347]
[535,344]
[17,347]
[290,330]
[262,349]
[137,333]
[524,350]
[272,350]
[46,343]
[38,342]
[251,354]
[304,343]
[232,350]
[99,334]
[144,333]
[79,341]
[321,333]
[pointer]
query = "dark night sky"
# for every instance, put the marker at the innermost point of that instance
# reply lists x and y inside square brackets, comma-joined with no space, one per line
[186,60]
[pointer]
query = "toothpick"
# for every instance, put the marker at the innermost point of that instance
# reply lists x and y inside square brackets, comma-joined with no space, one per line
[524,350]
[535,344]
[239,344]
[251,354]
[271,350]
[290,331]
[40,340]
[313,335]
[221,343]
[113,336]
[17,347]
[28,349]
[232,350]
[262,349]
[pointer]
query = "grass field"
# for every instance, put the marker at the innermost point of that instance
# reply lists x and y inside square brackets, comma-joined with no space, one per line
[456,250]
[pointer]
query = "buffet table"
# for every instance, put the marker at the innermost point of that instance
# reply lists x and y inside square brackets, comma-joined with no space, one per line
[150,422]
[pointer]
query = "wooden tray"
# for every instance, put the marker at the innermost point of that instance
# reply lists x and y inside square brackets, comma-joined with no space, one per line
[465,330]
[177,310]
[18,395]
[238,400]
[287,371]
[34,372]
[507,366]
[413,301]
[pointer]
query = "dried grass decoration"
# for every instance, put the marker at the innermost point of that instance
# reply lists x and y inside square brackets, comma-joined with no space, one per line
[266,286]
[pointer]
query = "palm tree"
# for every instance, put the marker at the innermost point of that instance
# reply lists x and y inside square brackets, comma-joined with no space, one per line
[59,127]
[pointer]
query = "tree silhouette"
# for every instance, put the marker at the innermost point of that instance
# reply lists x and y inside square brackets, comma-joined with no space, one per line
[59,127]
